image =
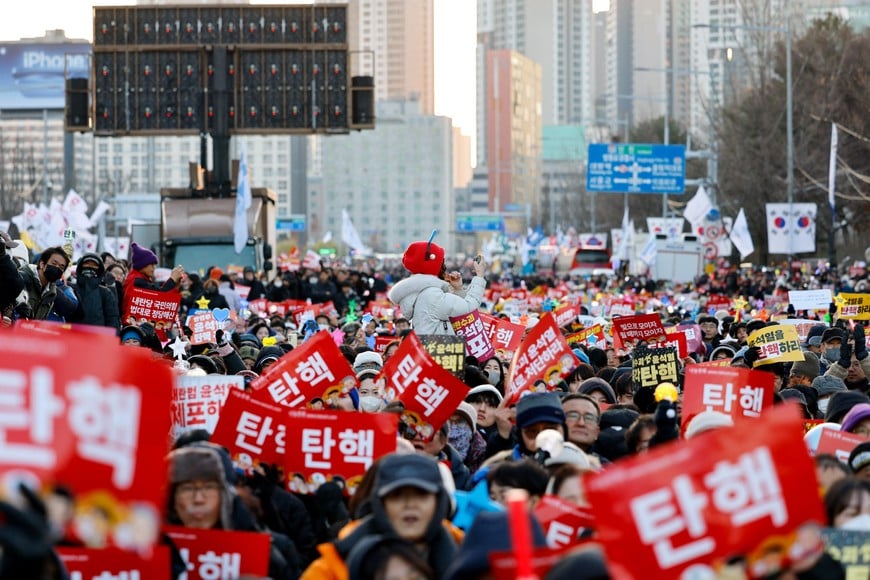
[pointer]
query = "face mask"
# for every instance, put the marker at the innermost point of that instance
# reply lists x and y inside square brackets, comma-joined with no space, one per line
[823,405]
[832,353]
[52,273]
[278,283]
[860,523]
[492,377]
[459,438]
[312,280]
[88,273]
[323,326]
[370,404]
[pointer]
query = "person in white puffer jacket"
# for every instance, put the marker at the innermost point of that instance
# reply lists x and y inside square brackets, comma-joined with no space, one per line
[431,295]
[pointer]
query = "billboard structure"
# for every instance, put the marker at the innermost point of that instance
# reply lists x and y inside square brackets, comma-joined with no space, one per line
[32,74]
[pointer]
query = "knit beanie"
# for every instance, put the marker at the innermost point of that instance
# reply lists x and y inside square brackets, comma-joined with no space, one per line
[595,384]
[809,367]
[828,385]
[141,257]
[539,408]
[423,258]
[841,403]
[856,415]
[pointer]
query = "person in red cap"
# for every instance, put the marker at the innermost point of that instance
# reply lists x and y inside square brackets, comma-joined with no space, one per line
[431,295]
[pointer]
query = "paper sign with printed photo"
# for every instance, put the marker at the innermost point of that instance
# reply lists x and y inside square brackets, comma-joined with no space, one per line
[430,393]
[779,343]
[81,411]
[205,324]
[159,309]
[591,336]
[314,370]
[563,522]
[735,391]
[471,328]
[251,430]
[566,315]
[197,401]
[335,444]
[852,306]
[212,554]
[447,350]
[694,336]
[810,299]
[838,443]
[699,503]
[628,330]
[543,359]
[100,564]
[504,335]
[677,340]
[802,326]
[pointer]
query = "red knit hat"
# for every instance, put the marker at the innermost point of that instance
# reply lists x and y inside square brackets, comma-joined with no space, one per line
[417,261]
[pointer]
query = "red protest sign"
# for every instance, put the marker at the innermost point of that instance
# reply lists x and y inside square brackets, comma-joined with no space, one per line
[336,443]
[205,324]
[563,522]
[694,337]
[543,359]
[429,392]
[381,343]
[197,401]
[838,443]
[699,503]
[592,336]
[676,340]
[505,337]
[718,302]
[82,411]
[211,554]
[157,308]
[731,390]
[566,315]
[470,327]
[251,429]
[504,564]
[630,329]
[91,563]
[314,369]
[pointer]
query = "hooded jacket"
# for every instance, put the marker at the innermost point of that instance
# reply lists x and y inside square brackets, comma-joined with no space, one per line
[99,305]
[427,301]
[49,303]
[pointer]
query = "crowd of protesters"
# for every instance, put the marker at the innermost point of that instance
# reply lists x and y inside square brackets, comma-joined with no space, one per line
[397,524]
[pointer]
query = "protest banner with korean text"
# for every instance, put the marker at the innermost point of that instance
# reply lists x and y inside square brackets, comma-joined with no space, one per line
[698,503]
[251,429]
[505,336]
[591,336]
[838,443]
[108,563]
[216,554]
[334,444]
[470,327]
[204,324]
[778,343]
[853,306]
[159,309]
[628,330]
[849,548]
[81,411]
[503,564]
[197,401]
[652,366]
[810,299]
[566,315]
[316,369]
[734,391]
[563,521]
[676,340]
[430,393]
[447,350]
[802,326]
[543,359]
[694,336]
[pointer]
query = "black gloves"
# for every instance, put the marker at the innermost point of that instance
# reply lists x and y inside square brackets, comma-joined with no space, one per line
[752,355]
[860,342]
[846,354]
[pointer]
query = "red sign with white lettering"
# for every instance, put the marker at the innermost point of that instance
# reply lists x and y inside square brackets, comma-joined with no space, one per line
[82,411]
[211,554]
[429,392]
[152,306]
[544,358]
[504,335]
[630,329]
[698,503]
[563,522]
[197,401]
[335,443]
[99,564]
[734,391]
[251,429]
[314,369]
[838,443]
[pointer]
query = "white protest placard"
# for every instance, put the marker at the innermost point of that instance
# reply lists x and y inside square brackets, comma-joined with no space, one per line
[810,299]
[197,401]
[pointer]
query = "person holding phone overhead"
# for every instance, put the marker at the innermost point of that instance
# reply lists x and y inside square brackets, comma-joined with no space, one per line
[431,295]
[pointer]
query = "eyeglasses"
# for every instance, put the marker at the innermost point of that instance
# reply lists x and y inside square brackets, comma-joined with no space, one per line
[190,489]
[587,417]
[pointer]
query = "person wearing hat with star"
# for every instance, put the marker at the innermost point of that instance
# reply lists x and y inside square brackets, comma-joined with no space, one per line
[431,295]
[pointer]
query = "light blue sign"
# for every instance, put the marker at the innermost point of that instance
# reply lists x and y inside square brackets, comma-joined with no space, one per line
[636,168]
[480,223]
[294,223]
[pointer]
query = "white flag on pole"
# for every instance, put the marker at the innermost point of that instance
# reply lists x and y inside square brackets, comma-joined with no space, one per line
[349,235]
[740,236]
[649,252]
[832,167]
[698,207]
[243,203]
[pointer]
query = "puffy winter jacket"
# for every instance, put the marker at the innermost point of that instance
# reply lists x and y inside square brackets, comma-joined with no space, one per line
[427,301]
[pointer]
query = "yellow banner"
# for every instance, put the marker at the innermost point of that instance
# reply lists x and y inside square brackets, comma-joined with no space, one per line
[778,343]
[852,306]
